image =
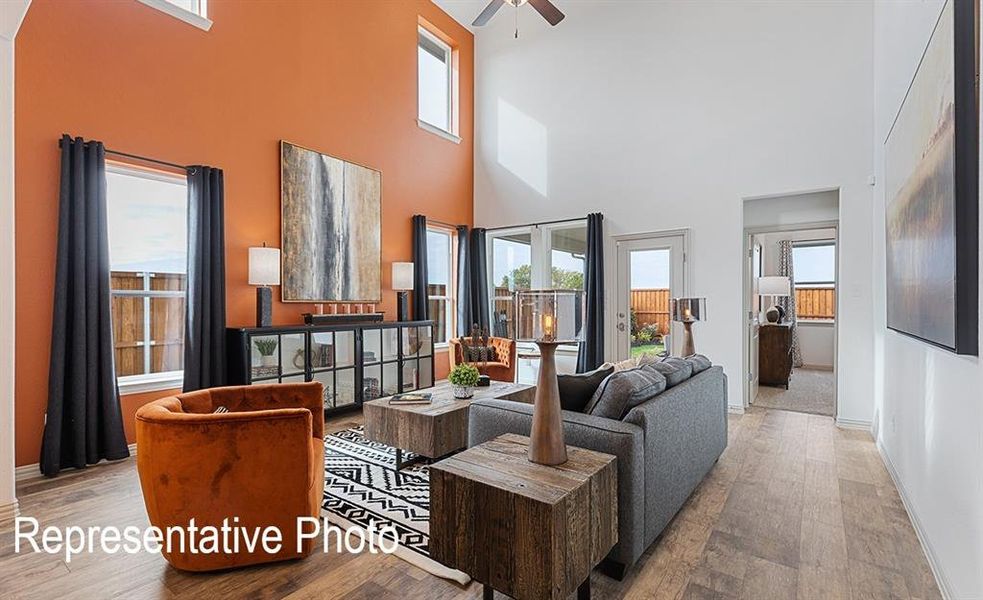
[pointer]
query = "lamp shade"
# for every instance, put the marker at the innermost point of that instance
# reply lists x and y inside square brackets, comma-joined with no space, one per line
[402,276]
[774,285]
[688,310]
[264,266]
[549,316]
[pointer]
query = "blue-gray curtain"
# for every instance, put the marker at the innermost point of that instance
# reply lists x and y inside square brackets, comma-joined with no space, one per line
[479,281]
[204,330]
[421,311]
[83,422]
[464,320]
[591,351]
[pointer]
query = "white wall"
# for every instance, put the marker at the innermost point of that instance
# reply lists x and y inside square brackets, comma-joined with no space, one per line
[665,115]
[928,402]
[11,14]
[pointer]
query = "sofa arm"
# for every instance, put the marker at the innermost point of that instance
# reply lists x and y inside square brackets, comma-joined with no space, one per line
[489,419]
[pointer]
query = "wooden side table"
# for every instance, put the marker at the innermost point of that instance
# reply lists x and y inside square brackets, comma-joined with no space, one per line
[527,530]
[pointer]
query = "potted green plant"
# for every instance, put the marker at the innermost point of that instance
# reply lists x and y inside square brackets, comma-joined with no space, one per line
[463,378]
[266,347]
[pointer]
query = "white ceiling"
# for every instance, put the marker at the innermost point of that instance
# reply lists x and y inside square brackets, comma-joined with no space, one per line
[463,11]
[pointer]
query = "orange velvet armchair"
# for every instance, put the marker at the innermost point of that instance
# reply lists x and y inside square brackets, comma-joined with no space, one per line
[263,462]
[500,369]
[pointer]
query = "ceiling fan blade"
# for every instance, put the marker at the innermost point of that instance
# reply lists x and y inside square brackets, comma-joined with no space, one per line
[488,13]
[546,8]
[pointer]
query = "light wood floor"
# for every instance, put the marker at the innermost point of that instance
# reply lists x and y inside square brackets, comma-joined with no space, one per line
[794,508]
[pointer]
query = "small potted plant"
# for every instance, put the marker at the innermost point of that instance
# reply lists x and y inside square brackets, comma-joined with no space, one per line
[266,347]
[463,378]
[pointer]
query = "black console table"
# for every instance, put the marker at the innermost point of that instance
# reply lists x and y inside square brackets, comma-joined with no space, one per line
[355,362]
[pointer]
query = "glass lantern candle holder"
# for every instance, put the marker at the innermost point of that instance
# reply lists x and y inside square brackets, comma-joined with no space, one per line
[555,316]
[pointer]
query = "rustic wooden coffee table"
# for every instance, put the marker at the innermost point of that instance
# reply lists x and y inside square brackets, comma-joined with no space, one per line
[527,530]
[436,429]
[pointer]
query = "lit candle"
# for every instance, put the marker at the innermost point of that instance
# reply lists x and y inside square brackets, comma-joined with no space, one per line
[548,327]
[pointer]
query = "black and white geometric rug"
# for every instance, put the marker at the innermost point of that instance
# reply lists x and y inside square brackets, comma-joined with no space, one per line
[362,487]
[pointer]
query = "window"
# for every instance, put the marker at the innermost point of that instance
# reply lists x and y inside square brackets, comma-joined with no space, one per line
[194,12]
[814,269]
[547,256]
[148,251]
[440,283]
[435,85]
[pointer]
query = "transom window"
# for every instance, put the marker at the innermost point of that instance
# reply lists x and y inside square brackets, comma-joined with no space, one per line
[148,255]
[440,283]
[435,83]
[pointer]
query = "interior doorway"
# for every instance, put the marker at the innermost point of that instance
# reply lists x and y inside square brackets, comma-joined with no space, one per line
[651,269]
[791,324]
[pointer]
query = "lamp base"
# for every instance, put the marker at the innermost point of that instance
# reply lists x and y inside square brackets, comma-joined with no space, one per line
[402,306]
[546,445]
[689,348]
[264,306]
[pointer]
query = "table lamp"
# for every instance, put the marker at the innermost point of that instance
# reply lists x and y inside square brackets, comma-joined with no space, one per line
[688,311]
[264,271]
[548,318]
[774,286]
[402,284]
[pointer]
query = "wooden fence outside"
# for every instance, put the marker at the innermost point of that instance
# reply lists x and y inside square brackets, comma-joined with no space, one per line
[651,306]
[815,302]
[148,322]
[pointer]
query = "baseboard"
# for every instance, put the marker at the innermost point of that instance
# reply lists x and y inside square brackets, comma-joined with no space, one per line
[9,512]
[29,472]
[735,409]
[817,367]
[933,559]
[853,424]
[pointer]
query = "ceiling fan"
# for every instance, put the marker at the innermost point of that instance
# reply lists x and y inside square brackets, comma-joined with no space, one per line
[544,7]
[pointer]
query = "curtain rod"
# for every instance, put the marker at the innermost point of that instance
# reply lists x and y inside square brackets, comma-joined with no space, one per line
[536,224]
[451,225]
[142,158]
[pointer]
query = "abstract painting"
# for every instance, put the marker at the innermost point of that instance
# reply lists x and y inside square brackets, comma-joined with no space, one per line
[932,197]
[331,228]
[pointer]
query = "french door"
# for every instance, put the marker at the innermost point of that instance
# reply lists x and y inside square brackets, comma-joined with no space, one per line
[651,271]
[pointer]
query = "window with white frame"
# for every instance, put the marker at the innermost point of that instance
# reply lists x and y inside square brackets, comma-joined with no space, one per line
[814,271]
[536,257]
[148,252]
[440,283]
[193,12]
[435,82]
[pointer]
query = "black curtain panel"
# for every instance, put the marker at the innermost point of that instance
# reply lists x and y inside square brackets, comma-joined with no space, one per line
[464,320]
[420,308]
[591,352]
[479,282]
[204,325]
[83,421]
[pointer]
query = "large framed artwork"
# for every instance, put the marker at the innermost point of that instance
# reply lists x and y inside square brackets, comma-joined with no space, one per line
[331,219]
[931,186]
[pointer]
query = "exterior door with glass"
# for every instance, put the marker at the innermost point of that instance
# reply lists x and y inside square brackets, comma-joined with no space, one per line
[651,271]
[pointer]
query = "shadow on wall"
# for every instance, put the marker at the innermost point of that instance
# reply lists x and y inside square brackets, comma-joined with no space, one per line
[523,147]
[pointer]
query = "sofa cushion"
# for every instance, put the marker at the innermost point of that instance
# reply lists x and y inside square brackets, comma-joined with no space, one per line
[623,390]
[699,363]
[577,390]
[674,369]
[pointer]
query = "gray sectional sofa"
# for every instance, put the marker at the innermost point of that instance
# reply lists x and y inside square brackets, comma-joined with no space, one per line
[665,446]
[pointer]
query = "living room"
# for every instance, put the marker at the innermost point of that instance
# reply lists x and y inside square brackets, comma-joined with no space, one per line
[320,200]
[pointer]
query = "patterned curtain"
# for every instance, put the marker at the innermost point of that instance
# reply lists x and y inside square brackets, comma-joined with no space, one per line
[786,269]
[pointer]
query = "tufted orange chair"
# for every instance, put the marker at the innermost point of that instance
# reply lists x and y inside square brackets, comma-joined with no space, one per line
[263,462]
[501,369]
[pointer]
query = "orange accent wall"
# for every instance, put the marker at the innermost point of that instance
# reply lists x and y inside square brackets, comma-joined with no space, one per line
[338,76]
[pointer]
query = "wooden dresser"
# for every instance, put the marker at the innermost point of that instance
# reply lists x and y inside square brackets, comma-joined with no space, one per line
[775,354]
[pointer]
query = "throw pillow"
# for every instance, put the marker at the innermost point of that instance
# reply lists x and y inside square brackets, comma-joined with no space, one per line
[623,390]
[675,370]
[699,363]
[624,365]
[577,390]
[481,354]
[220,410]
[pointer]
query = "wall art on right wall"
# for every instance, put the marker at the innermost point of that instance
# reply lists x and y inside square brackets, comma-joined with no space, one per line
[932,180]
